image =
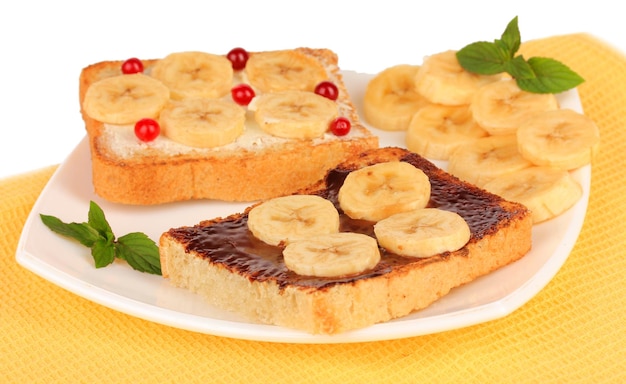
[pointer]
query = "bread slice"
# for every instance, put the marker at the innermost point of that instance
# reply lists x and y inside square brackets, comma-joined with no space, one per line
[127,171]
[221,260]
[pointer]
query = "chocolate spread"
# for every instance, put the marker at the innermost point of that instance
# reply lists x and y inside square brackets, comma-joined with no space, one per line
[231,244]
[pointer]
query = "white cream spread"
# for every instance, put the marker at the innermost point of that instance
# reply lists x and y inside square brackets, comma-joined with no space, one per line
[122,142]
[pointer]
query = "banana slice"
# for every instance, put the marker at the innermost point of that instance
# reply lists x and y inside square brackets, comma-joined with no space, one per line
[437,130]
[442,80]
[390,99]
[285,219]
[332,255]
[294,114]
[195,74]
[423,232]
[486,158]
[284,70]
[203,123]
[546,192]
[125,99]
[561,139]
[501,107]
[381,190]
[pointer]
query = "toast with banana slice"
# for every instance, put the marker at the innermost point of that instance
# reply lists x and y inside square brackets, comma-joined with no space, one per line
[383,234]
[214,132]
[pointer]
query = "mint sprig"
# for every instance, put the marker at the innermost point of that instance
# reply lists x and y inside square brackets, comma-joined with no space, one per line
[137,249]
[537,74]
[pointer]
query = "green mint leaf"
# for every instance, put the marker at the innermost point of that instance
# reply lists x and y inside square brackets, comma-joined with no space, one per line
[82,232]
[483,58]
[99,222]
[103,252]
[519,68]
[537,74]
[140,252]
[551,76]
[511,38]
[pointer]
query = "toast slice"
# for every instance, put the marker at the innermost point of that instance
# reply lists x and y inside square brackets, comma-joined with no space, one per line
[254,167]
[221,260]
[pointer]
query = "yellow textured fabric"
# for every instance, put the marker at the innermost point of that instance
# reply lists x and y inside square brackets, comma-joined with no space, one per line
[573,331]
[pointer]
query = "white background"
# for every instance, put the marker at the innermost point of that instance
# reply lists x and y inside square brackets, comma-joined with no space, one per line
[45,44]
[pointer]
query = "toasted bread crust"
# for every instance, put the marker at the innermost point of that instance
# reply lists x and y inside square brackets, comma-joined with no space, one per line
[268,293]
[233,175]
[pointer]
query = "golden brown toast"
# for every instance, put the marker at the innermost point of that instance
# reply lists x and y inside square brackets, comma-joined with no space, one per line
[134,174]
[221,260]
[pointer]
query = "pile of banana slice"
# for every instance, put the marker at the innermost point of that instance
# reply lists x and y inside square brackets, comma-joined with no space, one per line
[189,94]
[519,145]
[392,195]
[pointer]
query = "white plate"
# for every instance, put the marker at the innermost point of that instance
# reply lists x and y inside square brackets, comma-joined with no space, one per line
[69,264]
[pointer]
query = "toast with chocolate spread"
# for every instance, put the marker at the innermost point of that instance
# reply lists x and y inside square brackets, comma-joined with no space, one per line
[223,260]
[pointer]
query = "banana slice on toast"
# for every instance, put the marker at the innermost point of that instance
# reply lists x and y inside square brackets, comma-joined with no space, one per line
[294,114]
[285,219]
[125,99]
[381,190]
[336,254]
[195,74]
[423,232]
[284,70]
[203,122]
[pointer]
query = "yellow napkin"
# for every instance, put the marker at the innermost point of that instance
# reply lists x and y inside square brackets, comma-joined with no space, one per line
[574,330]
